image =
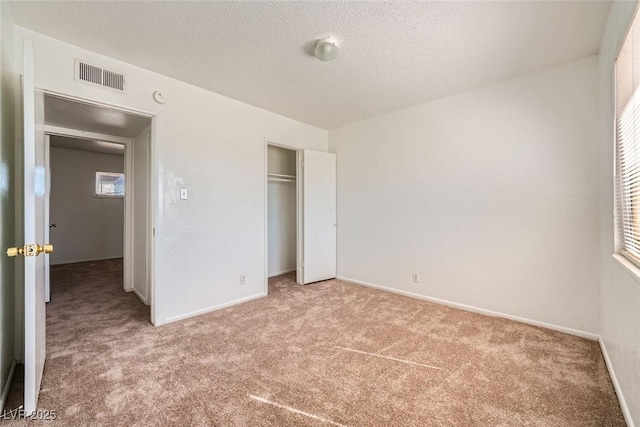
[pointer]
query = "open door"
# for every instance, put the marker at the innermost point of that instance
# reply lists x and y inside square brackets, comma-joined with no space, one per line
[319,216]
[33,197]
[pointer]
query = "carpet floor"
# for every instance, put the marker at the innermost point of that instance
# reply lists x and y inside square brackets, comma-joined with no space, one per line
[330,353]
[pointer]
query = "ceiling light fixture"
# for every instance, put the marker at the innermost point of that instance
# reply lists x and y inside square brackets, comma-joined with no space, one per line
[326,49]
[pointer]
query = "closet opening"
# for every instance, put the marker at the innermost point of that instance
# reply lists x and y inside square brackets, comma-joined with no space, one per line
[283,214]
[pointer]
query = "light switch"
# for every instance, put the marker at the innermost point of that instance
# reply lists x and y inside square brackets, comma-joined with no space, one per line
[183,194]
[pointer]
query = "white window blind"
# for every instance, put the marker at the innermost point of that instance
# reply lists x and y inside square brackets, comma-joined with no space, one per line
[109,184]
[627,70]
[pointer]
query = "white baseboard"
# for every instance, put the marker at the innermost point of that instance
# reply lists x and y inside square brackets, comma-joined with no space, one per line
[279,273]
[86,260]
[7,386]
[210,309]
[570,331]
[616,384]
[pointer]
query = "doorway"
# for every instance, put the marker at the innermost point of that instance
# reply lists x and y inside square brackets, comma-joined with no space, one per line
[300,214]
[98,199]
[282,211]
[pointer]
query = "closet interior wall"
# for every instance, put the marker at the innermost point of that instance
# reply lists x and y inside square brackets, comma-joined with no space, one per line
[281,210]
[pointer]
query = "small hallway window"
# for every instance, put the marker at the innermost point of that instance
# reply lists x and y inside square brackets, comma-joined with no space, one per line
[109,184]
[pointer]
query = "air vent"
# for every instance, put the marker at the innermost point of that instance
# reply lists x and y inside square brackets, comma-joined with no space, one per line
[99,76]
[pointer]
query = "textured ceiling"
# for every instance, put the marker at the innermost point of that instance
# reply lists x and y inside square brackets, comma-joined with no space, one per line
[393,54]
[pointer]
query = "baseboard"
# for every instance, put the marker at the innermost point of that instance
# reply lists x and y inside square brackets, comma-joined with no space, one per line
[616,384]
[210,309]
[86,260]
[279,273]
[7,386]
[570,331]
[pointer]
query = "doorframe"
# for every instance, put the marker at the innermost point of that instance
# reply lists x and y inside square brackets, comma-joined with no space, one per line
[299,211]
[47,206]
[154,199]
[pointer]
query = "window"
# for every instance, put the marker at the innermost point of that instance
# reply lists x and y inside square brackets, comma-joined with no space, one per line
[109,184]
[627,170]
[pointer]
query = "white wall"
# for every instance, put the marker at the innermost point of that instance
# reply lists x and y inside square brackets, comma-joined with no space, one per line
[489,195]
[8,88]
[281,212]
[619,290]
[210,144]
[141,222]
[88,227]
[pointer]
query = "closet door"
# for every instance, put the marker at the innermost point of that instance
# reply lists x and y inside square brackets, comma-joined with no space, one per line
[319,216]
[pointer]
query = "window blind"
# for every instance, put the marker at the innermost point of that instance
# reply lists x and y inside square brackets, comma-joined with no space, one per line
[627,171]
[109,184]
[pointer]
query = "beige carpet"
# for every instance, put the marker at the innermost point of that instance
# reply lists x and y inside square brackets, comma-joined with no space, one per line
[331,353]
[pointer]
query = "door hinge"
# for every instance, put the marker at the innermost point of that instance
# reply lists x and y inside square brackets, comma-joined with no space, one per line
[302,165]
[154,232]
[302,263]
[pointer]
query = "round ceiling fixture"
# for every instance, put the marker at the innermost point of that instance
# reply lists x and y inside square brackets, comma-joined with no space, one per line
[326,49]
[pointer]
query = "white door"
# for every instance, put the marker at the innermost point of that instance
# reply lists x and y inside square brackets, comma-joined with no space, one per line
[319,216]
[34,191]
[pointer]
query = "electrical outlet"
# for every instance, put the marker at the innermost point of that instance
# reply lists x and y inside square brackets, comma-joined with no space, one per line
[416,278]
[243,279]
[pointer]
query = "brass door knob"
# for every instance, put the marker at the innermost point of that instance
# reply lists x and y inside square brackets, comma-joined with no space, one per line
[47,249]
[15,251]
[30,250]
